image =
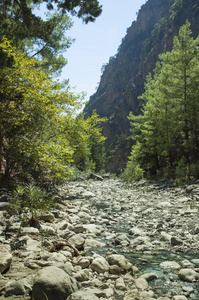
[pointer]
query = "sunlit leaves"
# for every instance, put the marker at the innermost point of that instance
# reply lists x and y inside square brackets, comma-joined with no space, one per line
[40,131]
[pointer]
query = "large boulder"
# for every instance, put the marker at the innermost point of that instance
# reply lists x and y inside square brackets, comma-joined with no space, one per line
[120,261]
[188,275]
[53,283]
[100,265]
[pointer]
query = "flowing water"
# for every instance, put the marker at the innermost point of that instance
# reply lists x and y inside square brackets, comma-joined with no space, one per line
[150,262]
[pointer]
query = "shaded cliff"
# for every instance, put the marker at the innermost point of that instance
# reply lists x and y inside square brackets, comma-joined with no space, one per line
[123,78]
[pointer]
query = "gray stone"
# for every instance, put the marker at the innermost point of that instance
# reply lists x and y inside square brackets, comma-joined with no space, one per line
[48,217]
[179,297]
[114,269]
[191,188]
[79,228]
[84,262]
[100,265]
[92,243]
[119,284]
[14,288]
[170,265]
[149,276]
[122,240]
[132,295]
[188,275]
[82,295]
[165,236]
[175,241]
[81,276]
[141,283]
[137,232]
[195,262]
[4,206]
[188,289]
[29,231]
[48,230]
[53,283]
[77,241]
[5,258]
[120,261]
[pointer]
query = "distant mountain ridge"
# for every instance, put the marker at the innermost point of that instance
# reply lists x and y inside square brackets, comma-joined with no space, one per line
[123,78]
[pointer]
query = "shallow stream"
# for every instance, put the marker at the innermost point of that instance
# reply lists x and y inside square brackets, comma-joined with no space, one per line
[168,279]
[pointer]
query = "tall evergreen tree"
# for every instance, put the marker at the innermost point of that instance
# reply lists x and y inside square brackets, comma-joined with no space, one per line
[169,127]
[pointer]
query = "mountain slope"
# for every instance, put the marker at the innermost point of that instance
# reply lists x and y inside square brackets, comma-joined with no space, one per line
[123,78]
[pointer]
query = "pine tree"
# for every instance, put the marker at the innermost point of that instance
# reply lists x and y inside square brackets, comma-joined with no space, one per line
[169,127]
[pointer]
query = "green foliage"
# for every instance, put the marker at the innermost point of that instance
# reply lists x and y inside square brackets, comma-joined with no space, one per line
[181,171]
[45,40]
[30,198]
[194,169]
[40,133]
[169,126]
[42,39]
[87,10]
[133,170]
[84,136]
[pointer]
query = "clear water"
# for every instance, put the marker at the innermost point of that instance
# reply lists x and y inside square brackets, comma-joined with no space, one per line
[150,263]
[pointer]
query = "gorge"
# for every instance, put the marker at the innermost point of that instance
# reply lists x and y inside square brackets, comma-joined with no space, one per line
[122,81]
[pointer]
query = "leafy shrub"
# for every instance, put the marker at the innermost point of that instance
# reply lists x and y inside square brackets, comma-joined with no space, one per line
[194,170]
[181,171]
[132,172]
[32,198]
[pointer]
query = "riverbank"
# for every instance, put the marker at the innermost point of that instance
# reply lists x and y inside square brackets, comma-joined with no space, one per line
[111,241]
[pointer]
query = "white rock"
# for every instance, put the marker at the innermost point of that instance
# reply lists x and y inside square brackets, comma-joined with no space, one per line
[29,230]
[77,241]
[119,260]
[82,275]
[84,217]
[164,236]
[82,295]
[170,265]
[84,262]
[33,245]
[147,295]
[48,230]
[100,265]
[188,275]
[62,225]
[92,243]
[141,283]
[92,228]
[58,257]
[137,232]
[119,284]
[149,276]
[179,297]
[5,258]
[53,283]
[131,295]
[14,288]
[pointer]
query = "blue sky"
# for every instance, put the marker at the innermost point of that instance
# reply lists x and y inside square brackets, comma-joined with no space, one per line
[96,42]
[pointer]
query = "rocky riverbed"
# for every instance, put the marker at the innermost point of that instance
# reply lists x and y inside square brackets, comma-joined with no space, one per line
[105,240]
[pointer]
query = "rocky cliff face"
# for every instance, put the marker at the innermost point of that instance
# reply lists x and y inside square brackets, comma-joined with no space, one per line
[123,78]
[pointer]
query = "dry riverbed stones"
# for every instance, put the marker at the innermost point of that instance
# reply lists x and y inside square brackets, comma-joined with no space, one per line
[84,248]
